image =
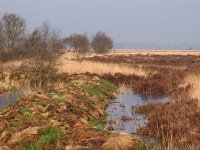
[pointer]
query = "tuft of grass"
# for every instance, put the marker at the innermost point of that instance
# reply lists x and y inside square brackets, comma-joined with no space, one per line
[101,88]
[107,85]
[61,94]
[93,91]
[34,78]
[41,103]
[18,73]
[193,80]
[96,123]
[59,100]
[147,146]
[29,110]
[17,122]
[14,88]
[49,136]
[48,94]
[62,123]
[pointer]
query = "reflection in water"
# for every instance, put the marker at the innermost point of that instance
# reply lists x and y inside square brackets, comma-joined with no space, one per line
[121,113]
[10,97]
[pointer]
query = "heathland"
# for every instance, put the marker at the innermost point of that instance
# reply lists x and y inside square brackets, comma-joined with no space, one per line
[67,109]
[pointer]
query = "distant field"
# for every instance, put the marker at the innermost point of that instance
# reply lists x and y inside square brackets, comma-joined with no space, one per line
[155,52]
[139,52]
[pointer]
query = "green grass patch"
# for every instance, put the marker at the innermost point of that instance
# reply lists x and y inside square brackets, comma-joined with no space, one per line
[96,123]
[59,100]
[100,88]
[14,88]
[107,85]
[18,73]
[61,94]
[29,110]
[34,78]
[94,90]
[17,122]
[49,136]
[48,94]
[62,123]
[42,103]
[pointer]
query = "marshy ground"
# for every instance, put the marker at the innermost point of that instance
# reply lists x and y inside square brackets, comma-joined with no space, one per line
[71,112]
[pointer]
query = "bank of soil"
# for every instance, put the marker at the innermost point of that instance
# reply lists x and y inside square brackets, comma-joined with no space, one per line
[72,113]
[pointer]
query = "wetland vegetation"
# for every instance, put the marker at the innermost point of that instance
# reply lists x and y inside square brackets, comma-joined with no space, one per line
[57,98]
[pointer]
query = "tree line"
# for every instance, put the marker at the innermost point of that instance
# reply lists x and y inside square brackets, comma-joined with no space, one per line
[100,43]
[16,41]
[41,48]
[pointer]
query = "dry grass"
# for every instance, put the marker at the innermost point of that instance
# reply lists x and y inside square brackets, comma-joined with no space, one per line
[4,85]
[73,67]
[154,52]
[72,55]
[121,142]
[100,67]
[10,66]
[194,81]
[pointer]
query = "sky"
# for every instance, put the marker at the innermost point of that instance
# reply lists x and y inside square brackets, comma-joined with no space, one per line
[146,21]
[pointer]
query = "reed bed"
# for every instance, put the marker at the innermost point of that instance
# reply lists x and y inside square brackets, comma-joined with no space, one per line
[76,67]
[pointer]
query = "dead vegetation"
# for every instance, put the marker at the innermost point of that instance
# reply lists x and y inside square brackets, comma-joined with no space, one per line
[173,123]
[120,142]
[194,81]
[76,113]
[75,67]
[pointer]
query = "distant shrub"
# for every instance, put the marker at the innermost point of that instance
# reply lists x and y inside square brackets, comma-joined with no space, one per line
[101,43]
[79,43]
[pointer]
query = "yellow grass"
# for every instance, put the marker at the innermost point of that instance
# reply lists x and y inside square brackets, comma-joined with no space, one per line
[194,80]
[72,67]
[121,142]
[71,55]
[11,65]
[153,52]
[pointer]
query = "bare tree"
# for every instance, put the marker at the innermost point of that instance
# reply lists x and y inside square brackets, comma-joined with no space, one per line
[101,43]
[44,44]
[79,43]
[12,27]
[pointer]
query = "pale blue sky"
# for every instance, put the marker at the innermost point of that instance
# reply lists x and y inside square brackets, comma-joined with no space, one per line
[151,21]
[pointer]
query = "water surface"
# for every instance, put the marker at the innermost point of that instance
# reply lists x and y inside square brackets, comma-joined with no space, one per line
[121,112]
[10,97]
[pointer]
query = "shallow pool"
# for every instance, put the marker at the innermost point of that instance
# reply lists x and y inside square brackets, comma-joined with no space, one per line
[121,112]
[10,97]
